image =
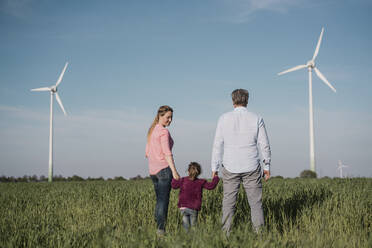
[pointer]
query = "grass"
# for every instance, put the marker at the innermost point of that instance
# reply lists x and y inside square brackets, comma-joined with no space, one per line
[298,213]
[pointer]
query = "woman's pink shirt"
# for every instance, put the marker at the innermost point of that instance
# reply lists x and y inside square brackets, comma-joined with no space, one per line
[159,146]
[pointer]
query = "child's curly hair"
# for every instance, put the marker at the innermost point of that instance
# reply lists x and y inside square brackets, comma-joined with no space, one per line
[194,170]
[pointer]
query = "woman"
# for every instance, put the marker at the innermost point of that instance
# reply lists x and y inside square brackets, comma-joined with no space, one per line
[161,164]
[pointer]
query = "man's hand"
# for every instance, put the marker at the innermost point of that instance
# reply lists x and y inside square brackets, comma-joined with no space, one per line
[214,173]
[266,175]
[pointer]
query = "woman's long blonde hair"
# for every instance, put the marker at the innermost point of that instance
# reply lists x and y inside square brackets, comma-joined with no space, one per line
[161,111]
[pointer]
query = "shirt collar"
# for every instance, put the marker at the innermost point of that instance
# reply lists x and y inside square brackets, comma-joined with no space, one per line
[240,108]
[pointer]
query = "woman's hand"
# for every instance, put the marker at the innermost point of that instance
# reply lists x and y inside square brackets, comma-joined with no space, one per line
[175,175]
[172,166]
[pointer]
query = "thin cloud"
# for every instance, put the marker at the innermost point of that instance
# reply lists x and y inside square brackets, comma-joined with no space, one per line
[94,142]
[20,113]
[112,142]
[243,10]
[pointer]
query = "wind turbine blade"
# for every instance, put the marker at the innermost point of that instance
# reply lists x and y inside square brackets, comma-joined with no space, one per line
[41,89]
[61,76]
[292,69]
[322,77]
[318,45]
[60,103]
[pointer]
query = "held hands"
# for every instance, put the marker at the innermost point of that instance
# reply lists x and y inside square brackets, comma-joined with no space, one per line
[175,175]
[214,173]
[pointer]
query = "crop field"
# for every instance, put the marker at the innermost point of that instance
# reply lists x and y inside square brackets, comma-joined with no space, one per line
[298,213]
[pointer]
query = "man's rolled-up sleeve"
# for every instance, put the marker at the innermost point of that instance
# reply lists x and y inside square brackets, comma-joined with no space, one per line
[217,152]
[263,144]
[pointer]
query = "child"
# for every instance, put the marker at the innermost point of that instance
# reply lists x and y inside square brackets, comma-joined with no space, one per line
[190,197]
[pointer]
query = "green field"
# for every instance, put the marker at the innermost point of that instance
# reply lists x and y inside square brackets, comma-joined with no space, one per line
[298,213]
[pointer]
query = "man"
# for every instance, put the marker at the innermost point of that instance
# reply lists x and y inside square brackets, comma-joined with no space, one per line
[240,135]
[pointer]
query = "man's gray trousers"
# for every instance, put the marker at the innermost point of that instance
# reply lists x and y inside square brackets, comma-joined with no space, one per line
[253,188]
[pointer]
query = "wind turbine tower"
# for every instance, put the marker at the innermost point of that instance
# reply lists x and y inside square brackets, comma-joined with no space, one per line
[53,91]
[310,65]
[340,166]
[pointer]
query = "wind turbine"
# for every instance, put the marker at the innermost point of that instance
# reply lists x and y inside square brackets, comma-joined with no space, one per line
[310,65]
[53,91]
[340,166]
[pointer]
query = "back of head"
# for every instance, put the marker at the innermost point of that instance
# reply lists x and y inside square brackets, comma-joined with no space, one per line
[240,97]
[194,170]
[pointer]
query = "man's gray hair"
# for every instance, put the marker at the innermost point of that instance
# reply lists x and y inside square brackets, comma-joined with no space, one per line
[240,97]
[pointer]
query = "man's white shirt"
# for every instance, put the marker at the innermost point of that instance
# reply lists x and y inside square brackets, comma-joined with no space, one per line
[240,136]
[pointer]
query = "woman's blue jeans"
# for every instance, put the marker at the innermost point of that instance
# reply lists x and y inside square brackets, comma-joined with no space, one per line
[162,185]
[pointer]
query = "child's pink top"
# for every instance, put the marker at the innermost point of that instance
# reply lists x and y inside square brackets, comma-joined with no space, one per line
[159,146]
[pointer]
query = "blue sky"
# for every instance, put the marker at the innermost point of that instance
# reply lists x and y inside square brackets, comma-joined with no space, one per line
[129,57]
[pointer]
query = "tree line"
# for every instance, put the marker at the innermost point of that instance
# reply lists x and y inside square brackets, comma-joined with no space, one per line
[60,178]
